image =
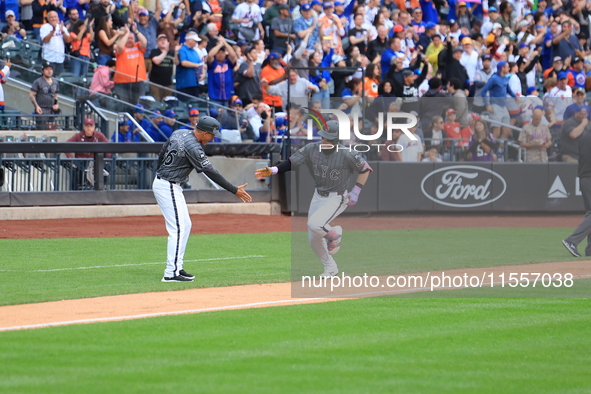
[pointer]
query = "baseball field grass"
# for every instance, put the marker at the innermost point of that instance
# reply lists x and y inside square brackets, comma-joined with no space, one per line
[357,346]
[396,344]
[55,269]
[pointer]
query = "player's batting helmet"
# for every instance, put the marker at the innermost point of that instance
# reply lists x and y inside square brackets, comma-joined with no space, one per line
[209,125]
[333,131]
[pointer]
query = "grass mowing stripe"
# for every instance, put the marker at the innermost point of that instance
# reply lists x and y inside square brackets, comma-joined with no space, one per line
[370,345]
[132,265]
[385,252]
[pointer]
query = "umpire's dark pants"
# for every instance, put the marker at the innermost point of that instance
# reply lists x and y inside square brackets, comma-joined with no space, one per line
[584,229]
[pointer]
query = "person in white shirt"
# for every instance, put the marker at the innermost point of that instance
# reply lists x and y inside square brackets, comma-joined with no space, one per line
[559,98]
[261,122]
[298,89]
[54,36]
[470,59]
[412,151]
[371,10]
[249,16]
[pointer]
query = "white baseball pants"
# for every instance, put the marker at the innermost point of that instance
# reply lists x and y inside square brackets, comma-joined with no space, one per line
[178,223]
[322,211]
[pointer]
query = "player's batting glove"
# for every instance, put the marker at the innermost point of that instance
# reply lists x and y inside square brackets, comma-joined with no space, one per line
[265,172]
[354,195]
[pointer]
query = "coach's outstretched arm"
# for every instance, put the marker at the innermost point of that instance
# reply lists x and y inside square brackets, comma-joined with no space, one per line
[223,182]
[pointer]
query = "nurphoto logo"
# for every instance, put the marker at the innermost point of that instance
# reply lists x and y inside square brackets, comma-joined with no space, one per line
[394,121]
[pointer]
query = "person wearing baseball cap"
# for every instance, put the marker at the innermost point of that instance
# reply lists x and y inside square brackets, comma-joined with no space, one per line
[139,116]
[13,27]
[123,134]
[167,123]
[172,173]
[498,87]
[532,91]
[576,74]
[162,67]
[280,29]
[271,72]
[556,99]
[579,96]
[332,27]
[193,118]
[190,69]
[557,66]
[88,134]
[426,38]
[44,95]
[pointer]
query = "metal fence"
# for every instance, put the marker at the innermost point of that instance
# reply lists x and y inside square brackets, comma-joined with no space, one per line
[56,174]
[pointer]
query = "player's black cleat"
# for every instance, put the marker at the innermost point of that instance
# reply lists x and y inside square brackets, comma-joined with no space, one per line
[186,274]
[177,278]
[571,247]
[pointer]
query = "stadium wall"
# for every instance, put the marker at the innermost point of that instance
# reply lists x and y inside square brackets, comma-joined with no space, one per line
[461,187]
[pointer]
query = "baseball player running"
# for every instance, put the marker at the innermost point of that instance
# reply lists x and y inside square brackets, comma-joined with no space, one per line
[332,170]
[182,153]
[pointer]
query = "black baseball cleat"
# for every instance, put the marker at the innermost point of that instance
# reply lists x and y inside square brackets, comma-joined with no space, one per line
[186,274]
[571,247]
[178,278]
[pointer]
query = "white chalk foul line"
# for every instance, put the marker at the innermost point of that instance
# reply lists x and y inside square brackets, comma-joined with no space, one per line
[131,265]
[156,314]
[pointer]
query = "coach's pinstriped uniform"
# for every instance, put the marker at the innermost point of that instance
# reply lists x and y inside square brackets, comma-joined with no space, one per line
[332,171]
[181,154]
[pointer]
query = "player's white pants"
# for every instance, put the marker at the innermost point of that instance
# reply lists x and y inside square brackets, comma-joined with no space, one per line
[178,223]
[322,211]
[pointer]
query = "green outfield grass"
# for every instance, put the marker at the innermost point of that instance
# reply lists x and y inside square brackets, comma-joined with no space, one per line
[134,265]
[408,251]
[358,346]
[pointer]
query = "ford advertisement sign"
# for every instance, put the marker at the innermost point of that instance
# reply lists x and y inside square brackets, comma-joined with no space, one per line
[464,186]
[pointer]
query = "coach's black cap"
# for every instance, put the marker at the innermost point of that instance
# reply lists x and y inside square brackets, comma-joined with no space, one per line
[209,125]
[333,131]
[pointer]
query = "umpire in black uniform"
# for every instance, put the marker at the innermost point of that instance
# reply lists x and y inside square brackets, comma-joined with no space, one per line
[584,229]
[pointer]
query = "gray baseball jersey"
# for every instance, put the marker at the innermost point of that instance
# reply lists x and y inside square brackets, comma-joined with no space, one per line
[332,172]
[181,154]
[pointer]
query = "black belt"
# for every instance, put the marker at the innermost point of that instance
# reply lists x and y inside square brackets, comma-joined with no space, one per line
[176,183]
[326,194]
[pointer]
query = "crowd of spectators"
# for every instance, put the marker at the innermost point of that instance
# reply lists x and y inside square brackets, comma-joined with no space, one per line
[468,70]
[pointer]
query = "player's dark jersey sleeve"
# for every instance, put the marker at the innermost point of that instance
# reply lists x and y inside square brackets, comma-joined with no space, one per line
[199,160]
[220,180]
[358,163]
[301,156]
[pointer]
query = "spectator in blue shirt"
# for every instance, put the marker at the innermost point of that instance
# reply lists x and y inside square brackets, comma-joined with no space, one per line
[220,72]
[123,135]
[306,23]
[138,115]
[167,124]
[189,68]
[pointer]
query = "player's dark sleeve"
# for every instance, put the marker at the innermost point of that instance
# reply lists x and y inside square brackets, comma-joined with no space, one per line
[220,180]
[161,155]
[284,166]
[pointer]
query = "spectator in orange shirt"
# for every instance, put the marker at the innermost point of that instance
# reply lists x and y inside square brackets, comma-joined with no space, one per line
[453,130]
[81,35]
[131,69]
[372,80]
[273,73]
[557,66]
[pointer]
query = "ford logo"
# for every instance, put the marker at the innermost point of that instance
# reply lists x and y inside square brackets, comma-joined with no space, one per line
[463,186]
